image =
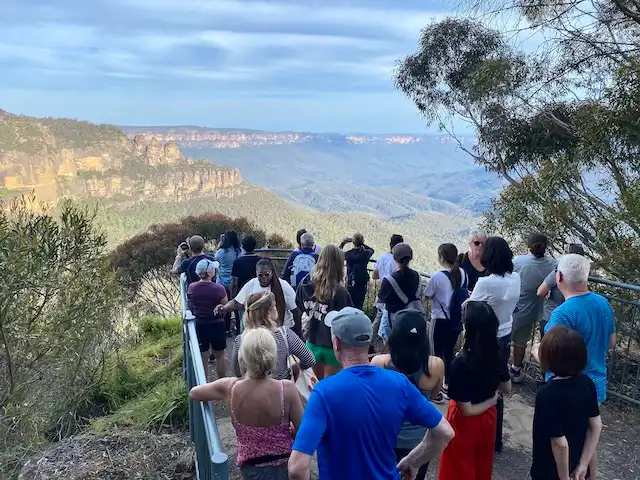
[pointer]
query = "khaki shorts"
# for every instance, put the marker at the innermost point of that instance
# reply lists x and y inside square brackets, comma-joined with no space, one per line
[522,329]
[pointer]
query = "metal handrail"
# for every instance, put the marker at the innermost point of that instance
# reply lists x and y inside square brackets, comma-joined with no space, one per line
[211,461]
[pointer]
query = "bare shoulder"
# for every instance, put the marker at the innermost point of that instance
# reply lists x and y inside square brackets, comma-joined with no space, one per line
[436,366]
[381,360]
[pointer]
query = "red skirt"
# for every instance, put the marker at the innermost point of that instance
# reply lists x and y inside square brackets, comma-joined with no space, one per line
[469,456]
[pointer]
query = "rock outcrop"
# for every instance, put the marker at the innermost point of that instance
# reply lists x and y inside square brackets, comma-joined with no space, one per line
[66,158]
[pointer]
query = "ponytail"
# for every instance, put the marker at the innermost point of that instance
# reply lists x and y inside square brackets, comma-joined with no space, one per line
[448,252]
[456,276]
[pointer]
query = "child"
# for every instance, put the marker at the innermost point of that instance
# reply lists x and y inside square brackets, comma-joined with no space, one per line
[475,377]
[566,423]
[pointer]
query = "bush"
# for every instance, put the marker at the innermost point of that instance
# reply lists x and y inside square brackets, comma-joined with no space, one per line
[158,326]
[59,298]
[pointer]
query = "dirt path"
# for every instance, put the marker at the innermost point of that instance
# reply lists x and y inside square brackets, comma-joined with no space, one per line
[618,452]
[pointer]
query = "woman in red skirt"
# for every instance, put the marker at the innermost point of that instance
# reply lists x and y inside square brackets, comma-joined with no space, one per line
[476,376]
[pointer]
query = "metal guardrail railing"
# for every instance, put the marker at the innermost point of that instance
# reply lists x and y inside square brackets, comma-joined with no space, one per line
[211,462]
[623,361]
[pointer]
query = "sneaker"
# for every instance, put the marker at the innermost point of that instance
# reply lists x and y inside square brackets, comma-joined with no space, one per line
[516,375]
[439,399]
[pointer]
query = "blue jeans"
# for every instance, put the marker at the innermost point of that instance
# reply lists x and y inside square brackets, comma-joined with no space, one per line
[385,328]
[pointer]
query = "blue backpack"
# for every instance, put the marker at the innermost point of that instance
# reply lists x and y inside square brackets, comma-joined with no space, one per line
[460,294]
[302,265]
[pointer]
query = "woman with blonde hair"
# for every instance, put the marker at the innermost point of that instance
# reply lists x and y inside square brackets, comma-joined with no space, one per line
[261,312]
[318,294]
[262,409]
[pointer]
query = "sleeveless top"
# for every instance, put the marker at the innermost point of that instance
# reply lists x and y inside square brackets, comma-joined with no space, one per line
[411,435]
[472,274]
[262,446]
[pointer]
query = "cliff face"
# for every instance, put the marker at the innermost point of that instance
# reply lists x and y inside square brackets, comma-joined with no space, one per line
[59,157]
[190,137]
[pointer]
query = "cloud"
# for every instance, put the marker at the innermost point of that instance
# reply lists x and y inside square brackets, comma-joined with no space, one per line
[162,51]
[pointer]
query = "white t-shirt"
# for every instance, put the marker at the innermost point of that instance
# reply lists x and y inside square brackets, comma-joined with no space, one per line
[440,290]
[502,293]
[385,265]
[253,286]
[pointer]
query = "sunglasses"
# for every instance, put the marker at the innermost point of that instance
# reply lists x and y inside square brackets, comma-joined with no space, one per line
[477,243]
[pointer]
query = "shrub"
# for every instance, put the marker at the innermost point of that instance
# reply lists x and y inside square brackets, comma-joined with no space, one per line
[58,298]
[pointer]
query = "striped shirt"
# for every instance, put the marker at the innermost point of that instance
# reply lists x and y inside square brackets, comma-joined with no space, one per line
[296,347]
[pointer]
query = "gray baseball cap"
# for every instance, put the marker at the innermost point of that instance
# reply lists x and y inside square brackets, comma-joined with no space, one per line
[351,326]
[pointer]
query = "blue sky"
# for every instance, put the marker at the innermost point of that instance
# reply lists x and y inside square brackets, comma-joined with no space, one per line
[314,65]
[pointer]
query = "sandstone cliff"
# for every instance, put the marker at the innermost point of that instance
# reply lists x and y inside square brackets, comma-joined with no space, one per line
[59,157]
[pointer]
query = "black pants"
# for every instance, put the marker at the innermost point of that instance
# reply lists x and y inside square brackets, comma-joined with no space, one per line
[444,337]
[358,292]
[505,352]
[422,471]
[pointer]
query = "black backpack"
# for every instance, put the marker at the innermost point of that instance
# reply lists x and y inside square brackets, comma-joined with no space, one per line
[458,297]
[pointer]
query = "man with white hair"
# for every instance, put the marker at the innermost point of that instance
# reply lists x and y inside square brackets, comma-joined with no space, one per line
[353,418]
[587,313]
[301,261]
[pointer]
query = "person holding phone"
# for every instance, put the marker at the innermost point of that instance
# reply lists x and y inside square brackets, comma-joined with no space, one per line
[187,259]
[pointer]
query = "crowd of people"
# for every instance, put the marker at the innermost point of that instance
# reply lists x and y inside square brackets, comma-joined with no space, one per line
[372,413]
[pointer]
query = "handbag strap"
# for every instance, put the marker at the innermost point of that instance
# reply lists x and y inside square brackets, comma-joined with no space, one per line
[396,288]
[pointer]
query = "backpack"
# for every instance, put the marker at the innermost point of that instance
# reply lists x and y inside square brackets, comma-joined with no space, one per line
[408,305]
[458,297]
[302,265]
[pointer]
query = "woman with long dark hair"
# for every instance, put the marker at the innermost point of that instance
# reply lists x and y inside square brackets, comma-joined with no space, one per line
[228,251]
[267,281]
[447,289]
[318,294]
[409,353]
[476,376]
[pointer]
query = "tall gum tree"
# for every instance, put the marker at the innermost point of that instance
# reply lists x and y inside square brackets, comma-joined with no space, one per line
[563,132]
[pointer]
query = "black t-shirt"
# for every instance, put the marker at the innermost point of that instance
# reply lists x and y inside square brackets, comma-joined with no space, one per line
[475,385]
[470,270]
[563,409]
[244,268]
[188,266]
[357,260]
[319,333]
[408,281]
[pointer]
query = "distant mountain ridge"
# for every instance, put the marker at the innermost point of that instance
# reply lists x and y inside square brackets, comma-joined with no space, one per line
[347,172]
[205,137]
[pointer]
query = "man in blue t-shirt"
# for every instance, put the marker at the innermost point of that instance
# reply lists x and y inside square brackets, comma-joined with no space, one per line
[587,313]
[353,418]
